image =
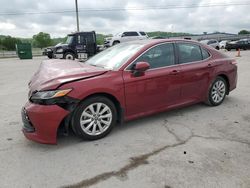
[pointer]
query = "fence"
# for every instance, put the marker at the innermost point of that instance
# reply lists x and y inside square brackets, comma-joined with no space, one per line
[9,54]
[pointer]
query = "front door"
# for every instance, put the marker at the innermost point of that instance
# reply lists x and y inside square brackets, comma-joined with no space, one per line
[158,88]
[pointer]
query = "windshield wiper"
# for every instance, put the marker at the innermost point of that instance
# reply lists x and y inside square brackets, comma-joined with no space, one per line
[97,66]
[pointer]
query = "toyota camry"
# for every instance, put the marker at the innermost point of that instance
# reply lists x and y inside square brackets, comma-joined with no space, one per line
[124,82]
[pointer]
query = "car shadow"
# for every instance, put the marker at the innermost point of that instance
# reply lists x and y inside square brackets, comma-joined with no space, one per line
[72,139]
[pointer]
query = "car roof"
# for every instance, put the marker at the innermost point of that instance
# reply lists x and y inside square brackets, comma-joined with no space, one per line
[151,42]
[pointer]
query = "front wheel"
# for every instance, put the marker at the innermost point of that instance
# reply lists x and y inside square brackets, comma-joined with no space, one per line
[69,55]
[94,118]
[217,92]
[50,56]
[115,43]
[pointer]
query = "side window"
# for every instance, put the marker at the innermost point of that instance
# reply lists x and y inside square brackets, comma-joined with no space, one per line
[142,33]
[205,54]
[159,56]
[78,39]
[89,39]
[189,53]
[133,33]
[125,34]
[211,42]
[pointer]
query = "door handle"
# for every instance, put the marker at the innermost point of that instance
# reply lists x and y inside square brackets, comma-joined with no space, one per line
[209,65]
[174,72]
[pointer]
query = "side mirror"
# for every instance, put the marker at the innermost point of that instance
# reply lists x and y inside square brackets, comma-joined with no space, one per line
[140,68]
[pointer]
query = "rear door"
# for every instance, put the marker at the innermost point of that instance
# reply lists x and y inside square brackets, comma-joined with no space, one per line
[196,69]
[158,88]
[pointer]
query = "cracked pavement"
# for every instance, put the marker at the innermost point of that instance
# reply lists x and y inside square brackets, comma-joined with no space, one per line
[196,146]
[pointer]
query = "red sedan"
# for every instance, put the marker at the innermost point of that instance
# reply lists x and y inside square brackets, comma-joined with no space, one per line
[124,82]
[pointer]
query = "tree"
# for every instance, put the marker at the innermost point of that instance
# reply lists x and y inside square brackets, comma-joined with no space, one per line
[9,43]
[42,40]
[244,32]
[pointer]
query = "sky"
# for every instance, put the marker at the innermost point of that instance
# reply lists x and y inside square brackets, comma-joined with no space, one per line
[24,18]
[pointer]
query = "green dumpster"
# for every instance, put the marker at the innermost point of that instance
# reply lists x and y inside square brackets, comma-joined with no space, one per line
[24,50]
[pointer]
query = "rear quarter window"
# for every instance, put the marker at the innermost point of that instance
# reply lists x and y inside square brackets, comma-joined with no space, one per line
[205,53]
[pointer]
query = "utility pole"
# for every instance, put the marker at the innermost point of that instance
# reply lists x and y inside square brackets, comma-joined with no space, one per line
[77,18]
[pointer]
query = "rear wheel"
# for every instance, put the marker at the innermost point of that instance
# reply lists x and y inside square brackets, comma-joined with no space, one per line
[94,118]
[217,92]
[69,55]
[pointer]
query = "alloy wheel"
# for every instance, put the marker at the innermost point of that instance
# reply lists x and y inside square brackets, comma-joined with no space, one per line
[218,91]
[96,119]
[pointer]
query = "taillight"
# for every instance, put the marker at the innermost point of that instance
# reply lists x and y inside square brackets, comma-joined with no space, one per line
[234,62]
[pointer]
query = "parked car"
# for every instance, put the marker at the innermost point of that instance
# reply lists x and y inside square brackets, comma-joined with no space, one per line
[243,44]
[79,45]
[124,82]
[222,44]
[125,37]
[211,42]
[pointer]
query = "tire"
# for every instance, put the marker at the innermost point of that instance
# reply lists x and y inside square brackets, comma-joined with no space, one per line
[217,47]
[217,91]
[228,49]
[87,122]
[115,43]
[69,55]
[50,56]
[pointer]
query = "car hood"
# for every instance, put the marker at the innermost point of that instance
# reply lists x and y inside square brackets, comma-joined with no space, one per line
[52,73]
[60,45]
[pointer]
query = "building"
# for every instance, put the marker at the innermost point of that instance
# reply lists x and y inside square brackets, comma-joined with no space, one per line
[216,35]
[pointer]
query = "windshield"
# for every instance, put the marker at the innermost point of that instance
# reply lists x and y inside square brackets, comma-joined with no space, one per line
[69,39]
[118,34]
[114,57]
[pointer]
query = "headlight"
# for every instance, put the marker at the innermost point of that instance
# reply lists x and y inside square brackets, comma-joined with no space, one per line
[60,50]
[44,95]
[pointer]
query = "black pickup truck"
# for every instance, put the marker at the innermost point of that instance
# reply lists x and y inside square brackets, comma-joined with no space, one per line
[243,44]
[80,45]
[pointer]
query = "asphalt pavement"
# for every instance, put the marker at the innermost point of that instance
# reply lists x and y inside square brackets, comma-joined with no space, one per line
[197,146]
